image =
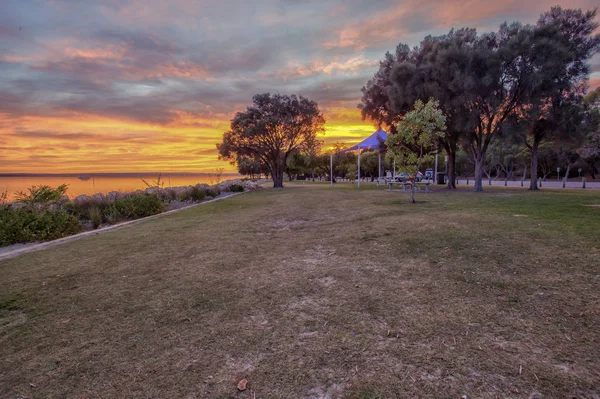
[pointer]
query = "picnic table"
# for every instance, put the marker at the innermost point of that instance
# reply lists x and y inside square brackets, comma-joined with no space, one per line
[404,184]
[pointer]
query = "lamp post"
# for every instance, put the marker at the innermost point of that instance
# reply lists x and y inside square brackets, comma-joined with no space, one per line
[358,166]
[435,172]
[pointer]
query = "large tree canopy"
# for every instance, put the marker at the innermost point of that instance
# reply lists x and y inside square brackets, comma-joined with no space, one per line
[555,71]
[270,130]
[530,76]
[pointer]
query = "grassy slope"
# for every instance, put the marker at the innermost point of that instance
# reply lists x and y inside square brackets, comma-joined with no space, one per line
[310,291]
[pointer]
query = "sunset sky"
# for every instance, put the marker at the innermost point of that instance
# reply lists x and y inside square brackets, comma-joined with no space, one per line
[148,85]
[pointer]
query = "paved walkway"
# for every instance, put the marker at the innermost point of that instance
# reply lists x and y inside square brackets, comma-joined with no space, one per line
[573,184]
[593,185]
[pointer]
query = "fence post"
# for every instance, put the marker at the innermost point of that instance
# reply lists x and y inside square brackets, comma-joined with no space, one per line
[522,180]
[505,182]
[583,182]
[467,180]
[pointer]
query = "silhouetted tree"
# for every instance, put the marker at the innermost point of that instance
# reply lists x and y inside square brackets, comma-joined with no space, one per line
[270,130]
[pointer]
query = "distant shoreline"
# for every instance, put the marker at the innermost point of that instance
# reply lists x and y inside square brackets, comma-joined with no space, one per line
[101,174]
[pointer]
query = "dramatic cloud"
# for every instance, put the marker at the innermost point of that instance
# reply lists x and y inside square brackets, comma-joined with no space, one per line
[140,85]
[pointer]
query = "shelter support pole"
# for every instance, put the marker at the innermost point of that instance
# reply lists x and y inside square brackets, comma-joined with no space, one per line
[358,166]
[379,169]
[436,166]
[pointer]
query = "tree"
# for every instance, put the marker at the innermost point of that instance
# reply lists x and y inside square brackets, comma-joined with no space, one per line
[496,82]
[568,157]
[248,166]
[375,103]
[547,160]
[270,130]
[590,151]
[295,165]
[436,68]
[369,164]
[417,134]
[555,69]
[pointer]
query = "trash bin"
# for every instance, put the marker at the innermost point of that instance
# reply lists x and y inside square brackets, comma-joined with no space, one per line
[441,178]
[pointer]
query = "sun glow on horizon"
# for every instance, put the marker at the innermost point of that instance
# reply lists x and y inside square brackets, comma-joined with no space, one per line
[78,143]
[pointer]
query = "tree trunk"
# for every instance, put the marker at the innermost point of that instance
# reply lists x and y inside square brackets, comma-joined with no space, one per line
[567,172]
[450,147]
[534,165]
[412,192]
[277,176]
[451,170]
[478,179]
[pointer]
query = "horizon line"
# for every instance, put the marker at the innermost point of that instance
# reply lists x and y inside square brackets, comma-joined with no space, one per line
[105,174]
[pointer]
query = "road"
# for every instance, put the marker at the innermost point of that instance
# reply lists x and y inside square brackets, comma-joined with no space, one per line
[594,185]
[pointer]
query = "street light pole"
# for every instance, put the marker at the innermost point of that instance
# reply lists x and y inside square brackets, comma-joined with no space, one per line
[358,166]
[436,166]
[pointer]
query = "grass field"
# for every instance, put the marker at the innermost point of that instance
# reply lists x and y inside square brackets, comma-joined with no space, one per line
[313,292]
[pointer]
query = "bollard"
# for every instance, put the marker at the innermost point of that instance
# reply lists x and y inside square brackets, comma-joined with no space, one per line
[583,182]
[564,182]
[505,182]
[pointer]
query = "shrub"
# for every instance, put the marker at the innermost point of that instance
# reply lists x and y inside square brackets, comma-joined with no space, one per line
[41,197]
[197,193]
[213,191]
[95,215]
[139,206]
[236,188]
[111,214]
[184,195]
[24,225]
[170,194]
[84,208]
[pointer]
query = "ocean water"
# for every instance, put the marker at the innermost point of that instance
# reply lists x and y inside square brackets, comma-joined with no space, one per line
[92,184]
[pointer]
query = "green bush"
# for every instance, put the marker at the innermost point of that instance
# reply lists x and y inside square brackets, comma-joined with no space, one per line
[139,206]
[236,188]
[213,191]
[171,195]
[41,197]
[84,209]
[95,215]
[24,225]
[111,214]
[197,194]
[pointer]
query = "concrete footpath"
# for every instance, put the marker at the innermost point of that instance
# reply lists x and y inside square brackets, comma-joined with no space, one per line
[572,184]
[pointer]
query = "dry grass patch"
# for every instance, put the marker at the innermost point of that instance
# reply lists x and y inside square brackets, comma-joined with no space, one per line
[316,292]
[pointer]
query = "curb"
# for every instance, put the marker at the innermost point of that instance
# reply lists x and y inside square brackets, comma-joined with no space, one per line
[38,247]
